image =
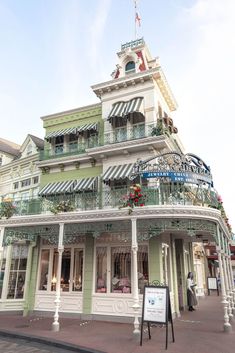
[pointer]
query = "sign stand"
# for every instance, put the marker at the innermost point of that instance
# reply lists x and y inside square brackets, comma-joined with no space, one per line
[212,284]
[156,309]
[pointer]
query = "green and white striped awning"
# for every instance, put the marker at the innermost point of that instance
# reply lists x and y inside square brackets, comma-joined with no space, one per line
[86,184]
[72,130]
[87,127]
[68,131]
[118,172]
[69,186]
[60,187]
[122,109]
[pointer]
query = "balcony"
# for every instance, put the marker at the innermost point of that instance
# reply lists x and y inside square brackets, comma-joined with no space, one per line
[92,200]
[114,136]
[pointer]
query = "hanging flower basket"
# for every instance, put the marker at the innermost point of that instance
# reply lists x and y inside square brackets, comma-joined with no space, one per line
[62,206]
[7,209]
[135,198]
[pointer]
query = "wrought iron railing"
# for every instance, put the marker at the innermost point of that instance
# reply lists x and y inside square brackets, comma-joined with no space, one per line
[91,200]
[121,134]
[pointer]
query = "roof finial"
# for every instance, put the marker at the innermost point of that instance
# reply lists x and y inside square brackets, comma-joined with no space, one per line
[137,18]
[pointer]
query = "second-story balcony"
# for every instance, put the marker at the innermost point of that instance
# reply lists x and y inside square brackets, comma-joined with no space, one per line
[116,198]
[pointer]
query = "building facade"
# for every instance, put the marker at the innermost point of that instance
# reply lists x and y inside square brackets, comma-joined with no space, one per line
[119,206]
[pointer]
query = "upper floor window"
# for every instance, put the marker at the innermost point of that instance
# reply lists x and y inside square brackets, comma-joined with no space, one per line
[25,183]
[29,150]
[35,180]
[130,67]
[16,185]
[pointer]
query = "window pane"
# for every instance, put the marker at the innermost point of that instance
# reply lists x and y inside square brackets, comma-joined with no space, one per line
[142,267]
[54,272]
[101,270]
[2,270]
[17,273]
[44,269]
[121,270]
[65,270]
[78,270]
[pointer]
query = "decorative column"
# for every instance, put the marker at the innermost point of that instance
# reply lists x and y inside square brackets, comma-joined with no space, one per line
[227,326]
[136,306]
[56,324]
[230,281]
[1,241]
[226,281]
[233,287]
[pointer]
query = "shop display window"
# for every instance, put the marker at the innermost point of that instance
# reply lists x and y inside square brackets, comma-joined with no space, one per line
[78,270]
[17,273]
[121,269]
[45,254]
[2,270]
[101,270]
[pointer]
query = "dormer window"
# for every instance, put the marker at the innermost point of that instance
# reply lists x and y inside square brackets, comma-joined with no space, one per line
[130,67]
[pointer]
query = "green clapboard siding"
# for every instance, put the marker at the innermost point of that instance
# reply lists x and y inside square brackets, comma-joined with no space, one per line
[70,175]
[33,279]
[88,275]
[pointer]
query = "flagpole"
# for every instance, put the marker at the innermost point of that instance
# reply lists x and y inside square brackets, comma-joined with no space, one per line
[135,19]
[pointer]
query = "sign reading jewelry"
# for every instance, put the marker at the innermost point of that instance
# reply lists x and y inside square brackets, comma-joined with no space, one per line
[174,167]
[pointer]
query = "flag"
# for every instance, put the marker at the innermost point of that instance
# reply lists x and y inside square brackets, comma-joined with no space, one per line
[137,18]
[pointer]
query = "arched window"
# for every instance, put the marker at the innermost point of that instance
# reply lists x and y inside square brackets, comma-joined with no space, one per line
[130,67]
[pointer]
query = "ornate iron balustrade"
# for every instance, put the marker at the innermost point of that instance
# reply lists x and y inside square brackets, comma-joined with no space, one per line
[165,194]
[116,135]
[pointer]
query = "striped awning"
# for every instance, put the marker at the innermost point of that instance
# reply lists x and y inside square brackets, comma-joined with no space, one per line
[86,127]
[86,184]
[122,109]
[72,130]
[59,187]
[118,172]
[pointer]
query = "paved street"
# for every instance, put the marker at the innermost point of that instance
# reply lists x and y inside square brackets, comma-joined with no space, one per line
[12,345]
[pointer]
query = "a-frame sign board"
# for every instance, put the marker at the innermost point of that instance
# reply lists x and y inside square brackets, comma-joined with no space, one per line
[212,284]
[156,309]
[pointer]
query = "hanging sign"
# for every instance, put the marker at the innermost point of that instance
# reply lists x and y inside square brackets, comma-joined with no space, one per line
[156,309]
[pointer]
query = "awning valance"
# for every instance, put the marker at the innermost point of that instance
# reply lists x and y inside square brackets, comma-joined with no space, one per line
[118,172]
[59,187]
[122,109]
[72,130]
[86,184]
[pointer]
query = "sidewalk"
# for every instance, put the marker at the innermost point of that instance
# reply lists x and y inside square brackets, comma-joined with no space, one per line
[195,332]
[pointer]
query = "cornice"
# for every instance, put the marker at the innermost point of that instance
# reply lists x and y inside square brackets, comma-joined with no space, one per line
[72,111]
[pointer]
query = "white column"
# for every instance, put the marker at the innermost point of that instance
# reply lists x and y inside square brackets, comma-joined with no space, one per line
[230,285]
[1,241]
[56,324]
[233,287]
[226,280]
[136,306]
[227,326]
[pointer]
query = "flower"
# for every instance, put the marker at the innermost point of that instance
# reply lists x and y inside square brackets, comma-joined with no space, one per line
[62,206]
[7,209]
[133,199]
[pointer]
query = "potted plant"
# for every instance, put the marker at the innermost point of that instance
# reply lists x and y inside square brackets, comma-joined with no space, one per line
[135,198]
[7,209]
[62,206]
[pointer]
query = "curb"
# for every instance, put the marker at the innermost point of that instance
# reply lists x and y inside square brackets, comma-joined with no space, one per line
[48,341]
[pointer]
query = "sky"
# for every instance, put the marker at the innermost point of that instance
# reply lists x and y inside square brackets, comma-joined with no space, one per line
[52,51]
